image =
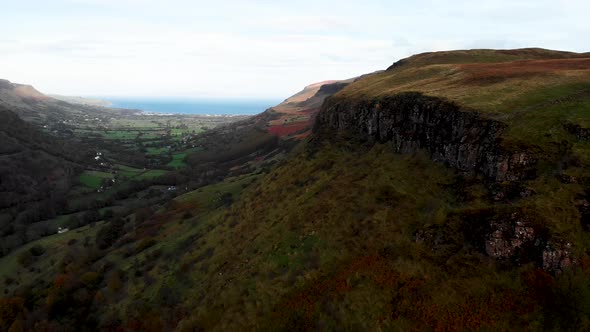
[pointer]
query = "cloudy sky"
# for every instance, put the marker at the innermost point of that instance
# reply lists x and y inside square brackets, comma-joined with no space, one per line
[255,48]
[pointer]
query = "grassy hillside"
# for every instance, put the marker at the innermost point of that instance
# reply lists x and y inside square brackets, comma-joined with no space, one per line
[497,83]
[327,240]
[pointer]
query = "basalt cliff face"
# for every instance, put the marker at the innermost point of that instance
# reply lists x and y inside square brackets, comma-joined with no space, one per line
[462,139]
[457,137]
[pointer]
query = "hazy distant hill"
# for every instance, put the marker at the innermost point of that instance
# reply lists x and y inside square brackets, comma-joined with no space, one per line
[34,106]
[83,100]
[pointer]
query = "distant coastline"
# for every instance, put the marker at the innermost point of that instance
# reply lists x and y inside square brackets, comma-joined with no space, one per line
[192,106]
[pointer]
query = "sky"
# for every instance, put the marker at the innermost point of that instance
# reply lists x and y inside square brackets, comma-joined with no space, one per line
[255,48]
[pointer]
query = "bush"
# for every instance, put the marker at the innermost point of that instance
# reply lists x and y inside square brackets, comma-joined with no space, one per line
[90,216]
[144,244]
[25,258]
[10,308]
[109,234]
[569,308]
[91,279]
[108,214]
[37,250]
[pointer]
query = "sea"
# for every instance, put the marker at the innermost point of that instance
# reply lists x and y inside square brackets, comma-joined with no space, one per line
[194,106]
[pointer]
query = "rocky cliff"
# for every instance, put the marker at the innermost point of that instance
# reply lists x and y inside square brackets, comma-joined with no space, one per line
[457,137]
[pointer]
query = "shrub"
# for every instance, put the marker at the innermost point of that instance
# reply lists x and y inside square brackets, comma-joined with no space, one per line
[91,279]
[37,250]
[25,258]
[109,234]
[569,308]
[10,308]
[108,214]
[144,244]
[90,216]
[114,282]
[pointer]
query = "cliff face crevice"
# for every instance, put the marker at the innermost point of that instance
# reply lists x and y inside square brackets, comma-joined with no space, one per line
[411,121]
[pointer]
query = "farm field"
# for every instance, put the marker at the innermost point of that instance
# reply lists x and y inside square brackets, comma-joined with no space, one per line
[93,179]
[177,160]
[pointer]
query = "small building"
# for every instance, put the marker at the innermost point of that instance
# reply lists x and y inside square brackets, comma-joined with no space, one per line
[61,230]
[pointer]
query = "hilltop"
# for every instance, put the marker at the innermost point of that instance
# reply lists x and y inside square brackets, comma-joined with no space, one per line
[448,192]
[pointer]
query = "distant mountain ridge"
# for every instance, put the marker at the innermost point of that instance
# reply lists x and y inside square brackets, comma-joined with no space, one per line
[34,106]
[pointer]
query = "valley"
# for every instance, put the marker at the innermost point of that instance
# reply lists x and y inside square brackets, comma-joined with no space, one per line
[448,192]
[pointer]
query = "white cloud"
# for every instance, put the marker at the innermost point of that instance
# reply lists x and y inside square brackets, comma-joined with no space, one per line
[255,48]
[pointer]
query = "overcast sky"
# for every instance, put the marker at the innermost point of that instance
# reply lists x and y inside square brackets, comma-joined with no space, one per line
[258,49]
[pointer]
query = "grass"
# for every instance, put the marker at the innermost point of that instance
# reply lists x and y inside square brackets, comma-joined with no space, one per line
[299,221]
[153,173]
[209,197]
[137,174]
[93,179]
[156,151]
[177,160]
[466,78]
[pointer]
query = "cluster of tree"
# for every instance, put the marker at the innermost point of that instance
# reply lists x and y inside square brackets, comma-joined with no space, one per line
[84,283]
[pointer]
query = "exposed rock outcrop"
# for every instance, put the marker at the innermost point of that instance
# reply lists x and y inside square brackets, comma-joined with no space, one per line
[515,238]
[509,236]
[558,256]
[580,132]
[457,137]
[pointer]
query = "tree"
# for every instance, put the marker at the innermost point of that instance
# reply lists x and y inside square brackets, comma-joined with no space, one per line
[25,258]
[37,250]
[73,221]
[90,216]
[109,234]
[108,214]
